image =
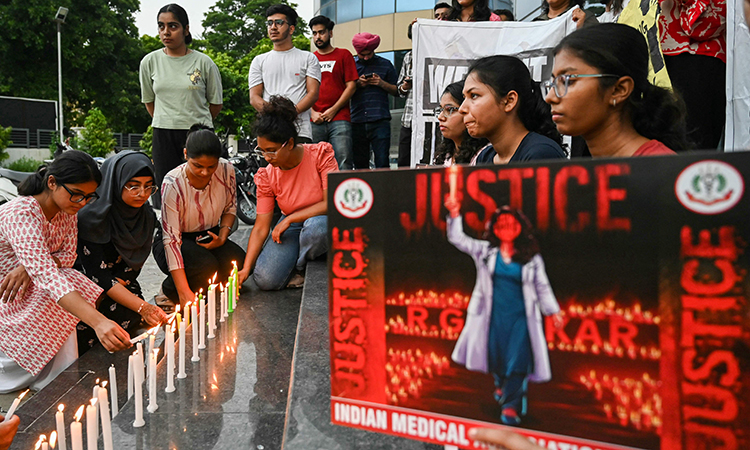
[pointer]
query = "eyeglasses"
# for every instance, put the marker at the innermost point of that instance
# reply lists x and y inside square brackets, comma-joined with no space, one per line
[76,197]
[560,83]
[137,190]
[448,110]
[277,22]
[264,154]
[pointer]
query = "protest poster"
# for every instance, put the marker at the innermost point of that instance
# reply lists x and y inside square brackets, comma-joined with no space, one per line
[645,259]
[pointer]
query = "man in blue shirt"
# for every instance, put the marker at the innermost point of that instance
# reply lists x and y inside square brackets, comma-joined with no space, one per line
[370,114]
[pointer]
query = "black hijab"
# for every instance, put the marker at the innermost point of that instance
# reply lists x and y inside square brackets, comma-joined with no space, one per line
[109,219]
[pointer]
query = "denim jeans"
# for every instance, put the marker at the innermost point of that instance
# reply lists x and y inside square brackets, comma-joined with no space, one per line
[299,243]
[339,134]
[375,136]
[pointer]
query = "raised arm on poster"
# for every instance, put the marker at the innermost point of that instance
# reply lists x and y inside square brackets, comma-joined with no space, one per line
[443,51]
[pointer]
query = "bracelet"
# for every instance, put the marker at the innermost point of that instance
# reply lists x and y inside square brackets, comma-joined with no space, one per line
[141,308]
[224,226]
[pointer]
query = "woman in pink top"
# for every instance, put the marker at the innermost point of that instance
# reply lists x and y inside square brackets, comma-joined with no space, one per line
[43,297]
[296,179]
[600,90]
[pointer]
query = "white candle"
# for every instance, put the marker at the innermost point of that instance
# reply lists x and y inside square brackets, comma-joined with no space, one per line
[211,311]
[187,313]
[104,410]
[194,312]
[14,405]
[45,445]
[95,394]
[76,431]
[169,346]
[222,308]
[141,356]
[202,325]
[151,339]
[152,406]
[181,373]
[60,425]
[92,426]
[113,390]
[130,375]
[138,385]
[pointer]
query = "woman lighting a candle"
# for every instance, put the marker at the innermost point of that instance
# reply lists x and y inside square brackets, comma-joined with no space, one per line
[115,235]
[43,296]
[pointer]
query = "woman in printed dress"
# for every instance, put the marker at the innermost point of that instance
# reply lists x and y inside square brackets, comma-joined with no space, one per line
[43,297]
[115,235]
[199,206]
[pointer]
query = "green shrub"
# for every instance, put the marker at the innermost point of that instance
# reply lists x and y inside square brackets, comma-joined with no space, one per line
[25,164]
[96,139]
[146,141]
[4,142]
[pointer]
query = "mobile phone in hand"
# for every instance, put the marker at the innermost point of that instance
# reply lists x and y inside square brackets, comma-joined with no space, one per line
[369,75]
[204,239]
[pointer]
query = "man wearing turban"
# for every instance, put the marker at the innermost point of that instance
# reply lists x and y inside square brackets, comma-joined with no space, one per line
[370,112]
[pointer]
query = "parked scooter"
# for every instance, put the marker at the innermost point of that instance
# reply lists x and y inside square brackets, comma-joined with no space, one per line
[9,182]
[245,168]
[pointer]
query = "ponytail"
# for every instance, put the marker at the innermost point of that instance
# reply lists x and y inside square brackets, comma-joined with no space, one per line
[536,115]
[35,183]
[660,114]
[71,167]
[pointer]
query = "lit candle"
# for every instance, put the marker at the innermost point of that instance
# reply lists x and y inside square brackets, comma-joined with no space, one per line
[130,375]
[230,295]
[76,431]
[235,280]
[41,444]
[202,323]
[223,306]
[104,410]
[52,439]
[92,426]
[181,373]
[139,347]
[138,385]
[152,406]
[211,310]
[194,312]
[169,345]
[95,394]
[60,425]
[113,389]
[187,313]
[139,338]
[151,341]
[14,405]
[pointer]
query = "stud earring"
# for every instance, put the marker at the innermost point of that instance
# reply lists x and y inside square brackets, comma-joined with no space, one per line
[614,102]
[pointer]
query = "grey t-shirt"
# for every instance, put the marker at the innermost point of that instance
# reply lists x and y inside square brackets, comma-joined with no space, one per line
[181,88]
[285,73]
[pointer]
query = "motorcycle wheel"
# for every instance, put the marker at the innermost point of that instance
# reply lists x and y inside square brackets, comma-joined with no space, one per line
[246,210]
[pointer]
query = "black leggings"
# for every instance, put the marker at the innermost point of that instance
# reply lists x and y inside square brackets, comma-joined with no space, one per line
[200,263]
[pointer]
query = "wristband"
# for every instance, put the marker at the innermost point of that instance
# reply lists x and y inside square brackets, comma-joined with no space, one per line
[141,307]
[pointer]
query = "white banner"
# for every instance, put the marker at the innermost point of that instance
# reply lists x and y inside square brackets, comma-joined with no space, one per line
[737,134]
[443,51]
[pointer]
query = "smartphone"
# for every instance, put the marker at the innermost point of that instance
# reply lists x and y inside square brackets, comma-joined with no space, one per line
[204,239]
[369,75]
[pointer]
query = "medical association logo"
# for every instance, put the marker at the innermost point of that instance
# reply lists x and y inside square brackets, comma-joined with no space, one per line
[353,198]
[709,187]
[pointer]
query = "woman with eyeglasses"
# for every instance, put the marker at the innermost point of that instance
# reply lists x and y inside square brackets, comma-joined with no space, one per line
[600,91]
[43,297]
[114,240]
[504,105]
[297,180]
[199,207]
[457,146]
[179,87]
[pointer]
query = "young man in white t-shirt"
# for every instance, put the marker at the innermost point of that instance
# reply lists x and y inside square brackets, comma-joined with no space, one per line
[285,70]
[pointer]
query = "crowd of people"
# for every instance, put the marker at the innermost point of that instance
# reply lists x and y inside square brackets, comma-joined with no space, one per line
[69,264]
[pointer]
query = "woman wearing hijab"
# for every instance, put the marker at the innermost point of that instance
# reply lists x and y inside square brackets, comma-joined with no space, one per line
[114,241]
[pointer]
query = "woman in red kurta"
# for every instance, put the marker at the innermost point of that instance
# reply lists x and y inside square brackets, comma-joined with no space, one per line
[43,296]
[296,179]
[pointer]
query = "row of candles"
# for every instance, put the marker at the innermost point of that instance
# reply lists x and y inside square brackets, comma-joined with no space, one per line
[608,309]
[628,401]
[398,326]
[405,371]
[204,318]
[650,353]
[430,299]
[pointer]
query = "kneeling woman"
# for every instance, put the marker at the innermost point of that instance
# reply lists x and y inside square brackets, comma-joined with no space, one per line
[114,240]
[43,296]
[296,179]
[199,203]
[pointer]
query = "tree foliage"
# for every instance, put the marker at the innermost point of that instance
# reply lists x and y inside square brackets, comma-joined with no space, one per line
[147,141]
[96,139]
[100,57]
[235,27]
[4,142]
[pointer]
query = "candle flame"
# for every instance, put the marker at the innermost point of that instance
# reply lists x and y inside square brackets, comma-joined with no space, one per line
[213,280]
[156,352]
[38,445]
[200,291]
[153,330]
[213,386]
[173,328]
[60,407]
[97,381]
[79,413]
[93,401]
[177,309]
[104,383]
[215,378]
[23,394]
[53,439]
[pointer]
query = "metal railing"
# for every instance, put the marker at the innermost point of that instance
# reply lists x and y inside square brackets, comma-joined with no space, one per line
[41,138]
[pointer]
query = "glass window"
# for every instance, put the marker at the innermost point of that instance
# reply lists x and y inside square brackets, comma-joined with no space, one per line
[530,8]
[329,11]
[378,7]
[414,5]
[348,10]
[325,2]
[501,4]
